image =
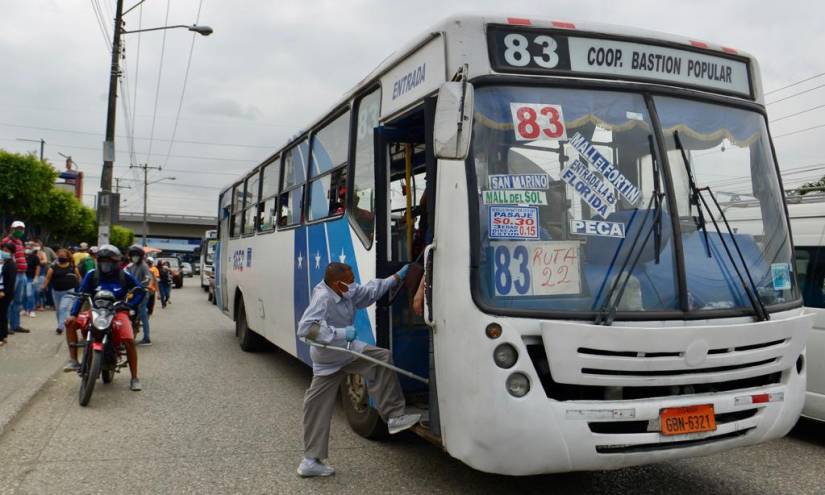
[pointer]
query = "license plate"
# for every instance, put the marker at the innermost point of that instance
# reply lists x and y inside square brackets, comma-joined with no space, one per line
[691,419]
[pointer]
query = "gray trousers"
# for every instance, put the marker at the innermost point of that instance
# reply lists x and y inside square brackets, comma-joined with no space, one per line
[319,399]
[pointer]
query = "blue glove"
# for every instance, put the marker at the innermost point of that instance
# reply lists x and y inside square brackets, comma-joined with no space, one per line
[402,273]
[350,336]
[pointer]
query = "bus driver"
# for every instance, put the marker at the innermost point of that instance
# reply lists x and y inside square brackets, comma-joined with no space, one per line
[329,320]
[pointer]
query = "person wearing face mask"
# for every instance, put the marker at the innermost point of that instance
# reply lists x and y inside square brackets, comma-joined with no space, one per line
[108,276]
[329,319]
[15,237]
[8,273]
[140,270]
[62,277]
[32,278]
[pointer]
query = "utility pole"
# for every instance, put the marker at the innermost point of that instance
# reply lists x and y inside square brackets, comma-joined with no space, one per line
[105,220]
[42,144]
[118,187]
[145,167]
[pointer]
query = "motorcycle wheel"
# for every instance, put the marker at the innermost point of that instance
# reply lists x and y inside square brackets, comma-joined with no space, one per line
[89,377]
[108,376]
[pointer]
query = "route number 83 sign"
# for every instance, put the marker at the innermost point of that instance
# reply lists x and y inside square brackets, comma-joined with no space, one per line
[537,121]
[549,268]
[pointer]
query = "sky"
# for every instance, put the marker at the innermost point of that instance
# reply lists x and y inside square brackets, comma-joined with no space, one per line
[270,68]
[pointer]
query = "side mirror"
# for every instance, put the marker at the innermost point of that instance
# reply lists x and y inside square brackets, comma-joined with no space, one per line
[453,120]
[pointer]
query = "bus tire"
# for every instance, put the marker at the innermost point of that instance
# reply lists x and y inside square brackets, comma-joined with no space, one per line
[247,338]
[362,418]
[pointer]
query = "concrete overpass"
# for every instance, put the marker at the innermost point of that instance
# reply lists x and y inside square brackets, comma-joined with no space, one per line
[165,229]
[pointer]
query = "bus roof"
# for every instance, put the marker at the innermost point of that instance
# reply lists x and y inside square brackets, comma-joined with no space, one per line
[444,45]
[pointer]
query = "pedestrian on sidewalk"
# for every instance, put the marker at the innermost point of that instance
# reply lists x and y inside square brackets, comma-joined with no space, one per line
[16,236]
[62,278]
[153,287]
[32,274]
[329,319]
[8,273]
[165,282]
[43,262]
[140,270]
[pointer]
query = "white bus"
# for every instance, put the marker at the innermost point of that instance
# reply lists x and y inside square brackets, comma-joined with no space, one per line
[208,244]
[807,214]
[587,305]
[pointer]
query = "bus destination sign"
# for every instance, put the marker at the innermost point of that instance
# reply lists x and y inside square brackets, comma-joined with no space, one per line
[542,51]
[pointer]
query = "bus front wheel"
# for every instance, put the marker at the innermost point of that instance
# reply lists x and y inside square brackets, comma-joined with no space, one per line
[362,418]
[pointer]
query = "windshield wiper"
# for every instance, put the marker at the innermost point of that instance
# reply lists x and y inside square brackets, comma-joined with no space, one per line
[752,291]
[607,312]
[694,192]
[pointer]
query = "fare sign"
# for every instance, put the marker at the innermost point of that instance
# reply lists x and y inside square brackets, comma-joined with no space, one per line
[546,51]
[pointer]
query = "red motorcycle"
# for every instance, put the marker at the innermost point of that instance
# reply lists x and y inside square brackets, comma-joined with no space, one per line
[102,326]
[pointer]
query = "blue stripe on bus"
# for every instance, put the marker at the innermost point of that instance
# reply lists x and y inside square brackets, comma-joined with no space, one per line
[315,246]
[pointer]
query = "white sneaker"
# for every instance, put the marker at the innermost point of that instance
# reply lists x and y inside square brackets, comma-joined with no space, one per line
[310,468]
[32,314]
[401,423]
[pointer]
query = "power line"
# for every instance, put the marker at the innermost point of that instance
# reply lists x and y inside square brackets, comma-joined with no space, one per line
[173,156]
[796,94]
[137,72]
[183,90]
[92,133]
[157,88]
[798,113]
[795,84]
[799,131]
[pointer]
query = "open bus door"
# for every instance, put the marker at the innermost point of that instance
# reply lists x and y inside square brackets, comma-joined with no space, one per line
[405,179]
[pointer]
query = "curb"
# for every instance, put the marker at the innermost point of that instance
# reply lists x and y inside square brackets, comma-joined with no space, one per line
[17,401]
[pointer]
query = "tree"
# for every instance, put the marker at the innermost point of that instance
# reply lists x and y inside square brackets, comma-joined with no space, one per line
[25,184]
[121,237]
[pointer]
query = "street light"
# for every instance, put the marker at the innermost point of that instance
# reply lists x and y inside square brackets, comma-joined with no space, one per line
[202,30]
[109,145]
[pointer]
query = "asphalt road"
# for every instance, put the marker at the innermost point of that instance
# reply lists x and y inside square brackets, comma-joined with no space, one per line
[213,419]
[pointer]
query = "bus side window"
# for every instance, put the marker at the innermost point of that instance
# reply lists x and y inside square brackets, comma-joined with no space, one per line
[237,205]
[328,171]
[269,195]
[292,191]
[362,208]
[250,203]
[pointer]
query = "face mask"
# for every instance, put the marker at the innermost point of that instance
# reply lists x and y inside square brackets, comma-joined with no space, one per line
[19,234]
[62,260]
[350,290]
[28,251]
[135,259]
[107,266]
[4,255]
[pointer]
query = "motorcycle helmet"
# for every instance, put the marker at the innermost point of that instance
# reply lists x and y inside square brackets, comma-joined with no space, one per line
[108,252]
[135,250]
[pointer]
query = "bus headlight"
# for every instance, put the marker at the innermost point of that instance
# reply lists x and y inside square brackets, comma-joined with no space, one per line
[518,384]
[505,356]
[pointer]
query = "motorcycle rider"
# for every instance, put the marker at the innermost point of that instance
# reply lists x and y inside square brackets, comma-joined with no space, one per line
[108,276]
[140,270]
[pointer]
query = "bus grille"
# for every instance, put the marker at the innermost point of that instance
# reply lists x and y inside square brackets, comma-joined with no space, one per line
[572,392]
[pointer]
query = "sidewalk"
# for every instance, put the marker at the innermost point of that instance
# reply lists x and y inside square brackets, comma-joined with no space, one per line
[27,362]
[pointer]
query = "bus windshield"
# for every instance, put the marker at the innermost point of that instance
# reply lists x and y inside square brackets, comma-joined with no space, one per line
[210,251]
[571,195]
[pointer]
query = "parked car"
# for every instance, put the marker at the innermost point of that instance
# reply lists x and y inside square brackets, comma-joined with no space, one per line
[175,269]
[186,269]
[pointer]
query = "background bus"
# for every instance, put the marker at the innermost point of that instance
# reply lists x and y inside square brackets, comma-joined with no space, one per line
[588,304]
[207,255]
[807,214]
